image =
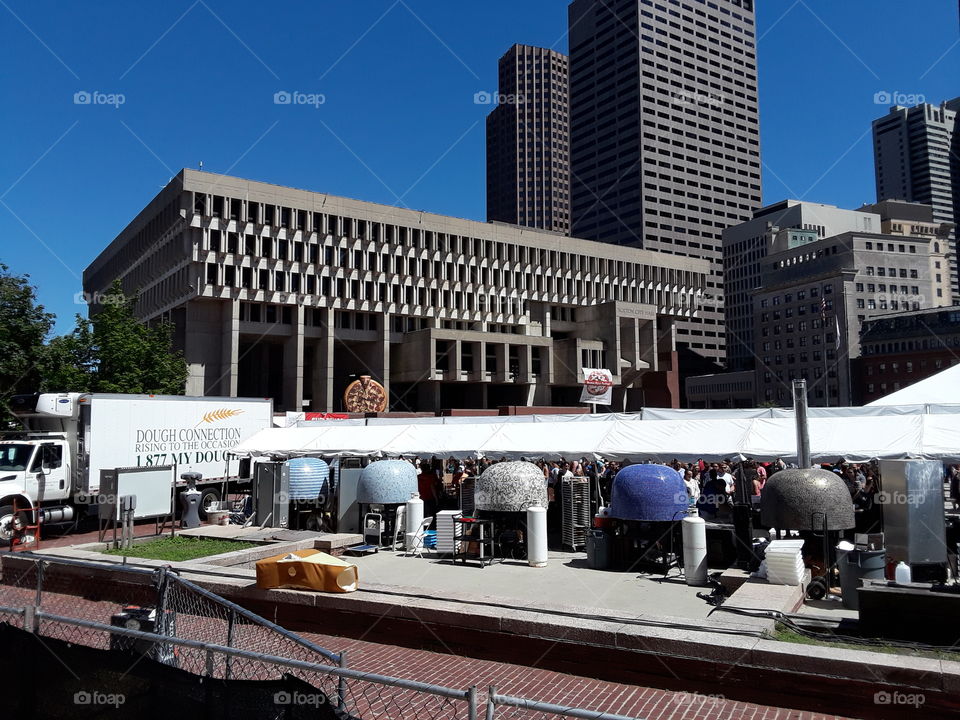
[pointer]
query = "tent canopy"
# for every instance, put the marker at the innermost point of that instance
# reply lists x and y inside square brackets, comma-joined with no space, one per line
[944,387]
[856,438]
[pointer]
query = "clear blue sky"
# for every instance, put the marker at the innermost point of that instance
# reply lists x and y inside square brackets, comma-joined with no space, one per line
[399,124]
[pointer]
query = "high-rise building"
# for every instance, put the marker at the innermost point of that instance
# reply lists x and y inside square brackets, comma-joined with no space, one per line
[664,135]
[813,298]
[785,224]
[528,143]
[917,157]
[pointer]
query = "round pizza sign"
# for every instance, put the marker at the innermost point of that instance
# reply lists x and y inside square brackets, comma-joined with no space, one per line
[365,395]
[597,383]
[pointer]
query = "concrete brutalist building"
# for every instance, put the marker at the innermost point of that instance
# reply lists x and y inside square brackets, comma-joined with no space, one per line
[285,293]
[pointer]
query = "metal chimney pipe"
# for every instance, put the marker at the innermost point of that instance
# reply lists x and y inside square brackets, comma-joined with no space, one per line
[800,415]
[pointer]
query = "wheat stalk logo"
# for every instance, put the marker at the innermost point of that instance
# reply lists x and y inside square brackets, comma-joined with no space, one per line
[221,414]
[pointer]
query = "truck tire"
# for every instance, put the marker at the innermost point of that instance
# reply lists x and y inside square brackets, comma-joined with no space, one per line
[6,520]
[208,496]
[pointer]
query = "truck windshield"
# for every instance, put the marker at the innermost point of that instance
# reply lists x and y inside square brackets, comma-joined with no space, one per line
[15,457]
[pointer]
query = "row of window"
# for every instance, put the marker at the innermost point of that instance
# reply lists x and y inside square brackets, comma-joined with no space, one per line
[394,292]
[306,249]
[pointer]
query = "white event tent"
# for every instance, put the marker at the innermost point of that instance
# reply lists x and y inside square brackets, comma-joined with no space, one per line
[854,437]
[934,389]
[920,421]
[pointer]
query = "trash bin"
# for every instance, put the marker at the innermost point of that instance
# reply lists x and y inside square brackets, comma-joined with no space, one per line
[856,566]
[598,550]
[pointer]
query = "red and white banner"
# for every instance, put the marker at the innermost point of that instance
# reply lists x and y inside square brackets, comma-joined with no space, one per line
[597,387]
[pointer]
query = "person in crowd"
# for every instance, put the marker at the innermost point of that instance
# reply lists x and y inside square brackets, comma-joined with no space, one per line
[692,486]
[713,499]
[430,487]
[849,475]
[730,485]
[761,474]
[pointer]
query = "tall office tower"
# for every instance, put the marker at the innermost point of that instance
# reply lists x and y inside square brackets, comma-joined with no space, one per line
[664,136]
[528,143]
[917,157]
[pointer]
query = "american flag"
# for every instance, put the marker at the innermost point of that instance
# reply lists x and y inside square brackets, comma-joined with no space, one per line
[823,308]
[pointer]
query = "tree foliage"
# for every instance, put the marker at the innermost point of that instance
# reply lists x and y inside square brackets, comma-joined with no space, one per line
[24,326]
[113,352]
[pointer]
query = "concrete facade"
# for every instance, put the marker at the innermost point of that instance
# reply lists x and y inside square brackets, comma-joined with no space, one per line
[788,223]
[722,390]
[285,293]
[917,158]
[902,348]
[807,314]
[528,141]
[664,135]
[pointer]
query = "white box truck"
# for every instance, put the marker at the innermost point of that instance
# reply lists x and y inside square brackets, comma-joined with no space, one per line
[53,467]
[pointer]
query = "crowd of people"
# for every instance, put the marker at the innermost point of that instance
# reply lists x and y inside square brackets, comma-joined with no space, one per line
[710,485]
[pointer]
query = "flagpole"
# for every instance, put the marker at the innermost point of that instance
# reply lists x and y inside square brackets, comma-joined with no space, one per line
[823,338]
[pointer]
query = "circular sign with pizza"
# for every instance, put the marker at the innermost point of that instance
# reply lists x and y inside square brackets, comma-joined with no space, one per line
[365,395]
[597,383]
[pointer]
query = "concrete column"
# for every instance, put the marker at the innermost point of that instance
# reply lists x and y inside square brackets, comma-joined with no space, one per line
[503,362]
[648,344]
[455,359]
[203,335]
[229,349]
[293,363]
[526,363]
[323,400]
[382,353]
[480,363]
[630,340]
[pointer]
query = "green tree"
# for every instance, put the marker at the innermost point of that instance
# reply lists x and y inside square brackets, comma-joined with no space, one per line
[24,326]
[69,364]
[114,352]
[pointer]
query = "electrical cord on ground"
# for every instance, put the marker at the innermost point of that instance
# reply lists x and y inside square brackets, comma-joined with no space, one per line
[789,620]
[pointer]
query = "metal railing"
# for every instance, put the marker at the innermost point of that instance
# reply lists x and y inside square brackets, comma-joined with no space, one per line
[209,636]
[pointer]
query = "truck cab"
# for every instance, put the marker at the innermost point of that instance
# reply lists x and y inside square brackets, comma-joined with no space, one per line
[33,472]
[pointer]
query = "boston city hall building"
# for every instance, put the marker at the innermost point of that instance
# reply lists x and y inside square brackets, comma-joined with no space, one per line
[290,294]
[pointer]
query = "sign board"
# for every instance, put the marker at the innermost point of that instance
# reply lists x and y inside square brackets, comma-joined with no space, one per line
[597,387]
[152,486]
[195,434]
[365,395]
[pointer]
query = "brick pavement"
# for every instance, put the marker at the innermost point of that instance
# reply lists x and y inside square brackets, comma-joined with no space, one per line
[559,688]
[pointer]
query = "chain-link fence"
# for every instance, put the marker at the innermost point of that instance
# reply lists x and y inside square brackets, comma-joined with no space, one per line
[159,615]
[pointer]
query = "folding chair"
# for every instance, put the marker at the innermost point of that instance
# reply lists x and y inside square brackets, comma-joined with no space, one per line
[418,538]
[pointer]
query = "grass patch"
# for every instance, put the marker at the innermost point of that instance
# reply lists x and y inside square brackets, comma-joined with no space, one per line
[179,548]
[784,634]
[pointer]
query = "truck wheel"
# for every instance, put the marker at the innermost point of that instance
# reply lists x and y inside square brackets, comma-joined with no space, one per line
[208,497]
[6,522]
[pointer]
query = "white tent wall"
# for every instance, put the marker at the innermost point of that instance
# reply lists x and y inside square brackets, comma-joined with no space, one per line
[854,438]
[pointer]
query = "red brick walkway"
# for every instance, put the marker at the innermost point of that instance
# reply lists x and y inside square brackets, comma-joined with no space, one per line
[558,688]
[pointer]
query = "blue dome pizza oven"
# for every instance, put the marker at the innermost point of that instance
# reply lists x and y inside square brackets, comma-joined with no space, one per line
[309,479]
[648,493]
[386,482]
